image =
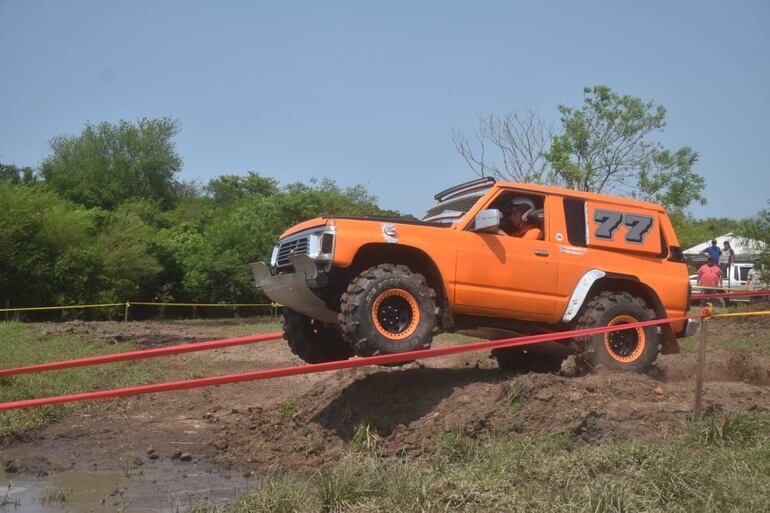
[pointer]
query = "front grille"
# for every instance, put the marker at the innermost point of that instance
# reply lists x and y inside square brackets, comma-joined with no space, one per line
[292,247]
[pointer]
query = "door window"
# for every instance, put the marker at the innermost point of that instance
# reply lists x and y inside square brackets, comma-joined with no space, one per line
[523,215]
[575,212]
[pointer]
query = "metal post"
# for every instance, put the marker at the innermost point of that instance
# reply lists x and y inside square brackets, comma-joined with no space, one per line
[699,371]
[125,314]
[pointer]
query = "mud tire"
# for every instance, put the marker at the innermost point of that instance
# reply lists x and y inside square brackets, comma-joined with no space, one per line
[361,311]
[512,359]
[596,352]
[312,340]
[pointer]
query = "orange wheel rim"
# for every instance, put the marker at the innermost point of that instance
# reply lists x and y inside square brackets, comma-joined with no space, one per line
[625,346]
[395,314]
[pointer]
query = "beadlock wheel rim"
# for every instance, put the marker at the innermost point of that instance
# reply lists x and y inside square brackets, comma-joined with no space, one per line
[625,346]
[395,314]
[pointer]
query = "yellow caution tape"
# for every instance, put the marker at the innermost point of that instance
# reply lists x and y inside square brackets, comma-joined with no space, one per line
[31,308]
[127,304]
[148,303]
[742,314]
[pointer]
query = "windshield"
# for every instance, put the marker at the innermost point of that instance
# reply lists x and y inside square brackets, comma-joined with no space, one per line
[454,202]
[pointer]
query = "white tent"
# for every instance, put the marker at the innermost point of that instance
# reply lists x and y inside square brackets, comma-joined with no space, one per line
[745,249]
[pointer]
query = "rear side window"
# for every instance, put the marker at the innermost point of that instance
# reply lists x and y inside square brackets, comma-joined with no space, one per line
[575,212]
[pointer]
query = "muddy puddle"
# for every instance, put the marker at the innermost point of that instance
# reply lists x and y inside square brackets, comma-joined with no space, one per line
[157,487]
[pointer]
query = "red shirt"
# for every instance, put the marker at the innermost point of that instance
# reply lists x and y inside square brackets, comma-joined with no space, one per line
[710,275]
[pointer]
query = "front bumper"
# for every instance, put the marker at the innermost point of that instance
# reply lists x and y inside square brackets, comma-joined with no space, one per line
[293,289]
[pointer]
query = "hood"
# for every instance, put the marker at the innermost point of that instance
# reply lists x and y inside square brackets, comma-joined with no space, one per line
[306,225]
[395,220]
[323,221]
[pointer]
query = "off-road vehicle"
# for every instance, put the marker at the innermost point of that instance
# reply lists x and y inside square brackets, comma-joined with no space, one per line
[374,285]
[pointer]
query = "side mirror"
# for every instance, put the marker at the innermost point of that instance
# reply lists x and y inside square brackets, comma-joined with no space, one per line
[487,220]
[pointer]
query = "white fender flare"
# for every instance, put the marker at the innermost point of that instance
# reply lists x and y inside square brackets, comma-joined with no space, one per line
[580,293]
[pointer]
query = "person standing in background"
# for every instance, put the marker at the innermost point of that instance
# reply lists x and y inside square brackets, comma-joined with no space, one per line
[726,258]
[712,252]
[709,275]
[754,277]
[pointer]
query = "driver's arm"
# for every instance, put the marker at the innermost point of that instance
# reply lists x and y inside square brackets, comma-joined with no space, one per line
[532,234]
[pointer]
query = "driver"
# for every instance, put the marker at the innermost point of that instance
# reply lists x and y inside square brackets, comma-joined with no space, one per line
[516,217]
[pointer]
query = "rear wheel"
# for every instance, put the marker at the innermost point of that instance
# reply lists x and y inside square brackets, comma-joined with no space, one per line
[312,340]
[632,349]
[388,309]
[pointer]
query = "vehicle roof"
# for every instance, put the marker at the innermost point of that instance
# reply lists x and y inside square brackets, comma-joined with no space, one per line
[548,189]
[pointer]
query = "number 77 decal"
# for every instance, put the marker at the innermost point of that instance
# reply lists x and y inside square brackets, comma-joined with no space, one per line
[608,222]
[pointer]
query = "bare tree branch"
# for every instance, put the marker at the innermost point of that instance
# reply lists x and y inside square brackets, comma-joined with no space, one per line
[518,141]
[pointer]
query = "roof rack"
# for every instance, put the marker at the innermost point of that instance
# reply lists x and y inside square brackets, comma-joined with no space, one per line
[464,187]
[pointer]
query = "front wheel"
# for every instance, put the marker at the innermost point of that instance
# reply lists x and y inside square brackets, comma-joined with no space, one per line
[388,309]
[632,349]
[312,340]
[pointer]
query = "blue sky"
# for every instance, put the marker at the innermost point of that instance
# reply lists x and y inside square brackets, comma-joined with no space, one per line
[370,93]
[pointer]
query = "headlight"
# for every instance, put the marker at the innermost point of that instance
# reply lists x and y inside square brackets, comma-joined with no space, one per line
[327,243]
[274,256]
[321,244]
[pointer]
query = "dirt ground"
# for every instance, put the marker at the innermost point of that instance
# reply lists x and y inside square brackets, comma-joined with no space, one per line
[306,420]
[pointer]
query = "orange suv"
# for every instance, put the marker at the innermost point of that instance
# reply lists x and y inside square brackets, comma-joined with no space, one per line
[491,260]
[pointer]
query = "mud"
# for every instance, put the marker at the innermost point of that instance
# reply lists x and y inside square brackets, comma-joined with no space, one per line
[162,486]
[307,420]
[139,333]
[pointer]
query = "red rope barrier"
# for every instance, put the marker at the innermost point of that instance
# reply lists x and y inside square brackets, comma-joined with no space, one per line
[747,293]
[145,353]
[330,366]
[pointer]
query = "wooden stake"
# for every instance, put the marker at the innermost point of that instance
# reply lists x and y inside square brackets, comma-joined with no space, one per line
[125,314]
[699,371]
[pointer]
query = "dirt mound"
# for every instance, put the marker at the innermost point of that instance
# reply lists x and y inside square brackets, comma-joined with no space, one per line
[406,411]
[721,365]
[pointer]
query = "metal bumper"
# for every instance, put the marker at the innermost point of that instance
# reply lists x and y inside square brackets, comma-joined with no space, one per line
[691,327]
[293,290]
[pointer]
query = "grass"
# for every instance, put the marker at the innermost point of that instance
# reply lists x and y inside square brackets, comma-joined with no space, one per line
[733,429]
[721,464]
[365,437]
[288,409]
[20,346]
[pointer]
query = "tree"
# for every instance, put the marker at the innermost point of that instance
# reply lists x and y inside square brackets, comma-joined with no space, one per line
[606,146]
[757,228]
[228,189]
[127,264]
[45,252]
[109,163]
[509,148]
[17,175]
[691,231]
